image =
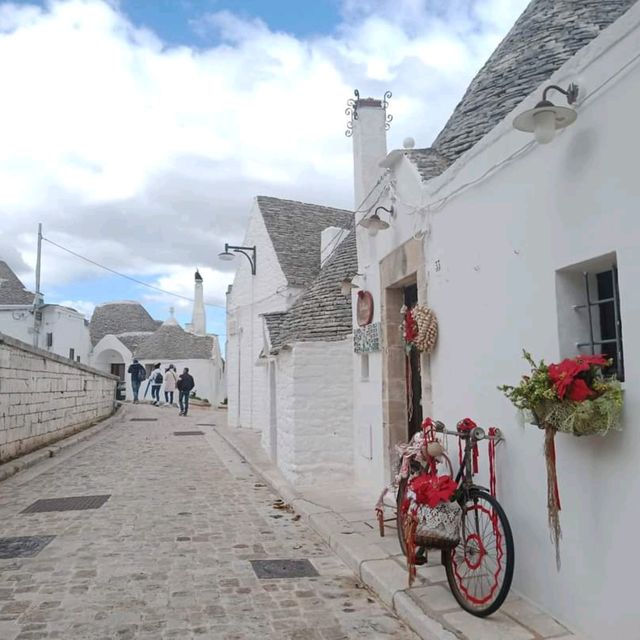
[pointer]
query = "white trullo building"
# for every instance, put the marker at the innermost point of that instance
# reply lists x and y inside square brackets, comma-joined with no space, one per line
[507,239]
[121,331]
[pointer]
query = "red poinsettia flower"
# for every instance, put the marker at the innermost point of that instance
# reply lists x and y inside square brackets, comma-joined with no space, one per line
[579,391]
[585,362]
[564,376]
[432,490]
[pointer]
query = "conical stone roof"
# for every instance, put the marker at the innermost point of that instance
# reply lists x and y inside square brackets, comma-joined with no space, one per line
[172,342]
[12,291]
[120,317]
[544,37]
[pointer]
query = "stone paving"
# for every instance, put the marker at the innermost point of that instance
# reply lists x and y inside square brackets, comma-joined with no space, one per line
[168,555]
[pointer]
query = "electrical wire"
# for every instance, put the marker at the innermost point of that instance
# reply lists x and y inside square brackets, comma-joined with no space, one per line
[122,275]
[337,239]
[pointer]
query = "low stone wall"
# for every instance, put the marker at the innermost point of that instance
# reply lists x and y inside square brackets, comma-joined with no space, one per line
[44,397]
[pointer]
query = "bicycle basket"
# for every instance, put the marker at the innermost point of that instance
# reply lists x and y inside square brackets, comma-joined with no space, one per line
[438,527]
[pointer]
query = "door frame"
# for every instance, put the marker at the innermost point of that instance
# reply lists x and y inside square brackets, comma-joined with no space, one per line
[405,265]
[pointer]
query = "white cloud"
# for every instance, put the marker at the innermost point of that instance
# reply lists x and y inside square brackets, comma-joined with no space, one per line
[145,158]
[83,306]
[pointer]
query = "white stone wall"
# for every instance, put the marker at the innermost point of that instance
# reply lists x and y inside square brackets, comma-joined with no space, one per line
[286,412]
[251,296]
[315,411]
[499,245]
[44,397]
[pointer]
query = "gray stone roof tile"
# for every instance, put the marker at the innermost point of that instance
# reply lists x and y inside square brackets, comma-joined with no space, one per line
[172,342]
[120,317]
[429,162]
[12,291]
[544,37]
[322,313]
[295,229]
[274,322]
[133,339]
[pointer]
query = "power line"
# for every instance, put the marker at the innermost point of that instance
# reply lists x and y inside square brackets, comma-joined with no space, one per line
[122,275]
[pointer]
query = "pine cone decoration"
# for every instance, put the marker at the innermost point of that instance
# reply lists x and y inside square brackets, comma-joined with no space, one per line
[427,328]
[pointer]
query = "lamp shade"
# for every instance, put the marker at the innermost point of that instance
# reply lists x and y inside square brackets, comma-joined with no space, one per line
[544,120]
[227,256]
[374,223]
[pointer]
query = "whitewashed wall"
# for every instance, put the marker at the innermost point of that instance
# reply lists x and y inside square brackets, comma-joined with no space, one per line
[69,332]
[17,322]
[251,296]
[315,411]
[67,326]
[500,244]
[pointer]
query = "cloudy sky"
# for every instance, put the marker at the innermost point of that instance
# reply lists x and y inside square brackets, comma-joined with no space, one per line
[138,131]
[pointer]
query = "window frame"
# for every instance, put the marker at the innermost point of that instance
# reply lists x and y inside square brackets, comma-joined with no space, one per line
[590,304]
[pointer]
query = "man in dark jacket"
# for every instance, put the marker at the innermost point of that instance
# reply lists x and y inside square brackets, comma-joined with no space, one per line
[138,374]
[185,384]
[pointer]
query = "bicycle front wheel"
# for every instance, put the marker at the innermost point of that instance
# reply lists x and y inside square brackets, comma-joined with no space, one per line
[480,568]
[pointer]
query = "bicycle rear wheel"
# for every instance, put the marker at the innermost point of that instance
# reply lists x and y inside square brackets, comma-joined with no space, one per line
[480,568]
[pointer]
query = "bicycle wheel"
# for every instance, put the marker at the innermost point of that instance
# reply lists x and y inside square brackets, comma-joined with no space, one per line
[402,490]
[480,568]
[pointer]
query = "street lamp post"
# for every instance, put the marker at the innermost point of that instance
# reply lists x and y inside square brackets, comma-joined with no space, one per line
[248,252]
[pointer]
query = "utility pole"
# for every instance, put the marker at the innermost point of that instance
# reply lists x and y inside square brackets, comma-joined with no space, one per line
[39,254]
[37,314]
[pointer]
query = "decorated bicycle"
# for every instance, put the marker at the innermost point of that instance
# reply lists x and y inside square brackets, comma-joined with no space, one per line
[454,515]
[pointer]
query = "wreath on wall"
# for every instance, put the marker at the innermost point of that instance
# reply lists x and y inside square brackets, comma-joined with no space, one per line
[574,396]
[419,328]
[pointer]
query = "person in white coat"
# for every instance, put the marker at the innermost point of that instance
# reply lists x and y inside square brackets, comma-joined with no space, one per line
[170,379]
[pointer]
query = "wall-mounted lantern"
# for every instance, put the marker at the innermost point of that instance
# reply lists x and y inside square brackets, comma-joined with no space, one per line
[375,223]
[545,118]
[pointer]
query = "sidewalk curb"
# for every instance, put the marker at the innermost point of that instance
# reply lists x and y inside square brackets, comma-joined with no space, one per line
[374,568]
[12,467]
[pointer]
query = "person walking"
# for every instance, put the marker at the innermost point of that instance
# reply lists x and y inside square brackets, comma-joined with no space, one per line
[138,374]
[185,384]
[156,382]
[170,380]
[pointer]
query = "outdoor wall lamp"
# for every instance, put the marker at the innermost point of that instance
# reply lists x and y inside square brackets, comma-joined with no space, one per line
[249,252]
[374,223]
[545,118]
[347,284]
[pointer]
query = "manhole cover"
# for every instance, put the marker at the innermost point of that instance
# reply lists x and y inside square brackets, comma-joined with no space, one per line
[143,420]
[23,547]
[188,433]
[77,503]
[268,569]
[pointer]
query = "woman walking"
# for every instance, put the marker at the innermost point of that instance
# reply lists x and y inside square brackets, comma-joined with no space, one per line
[170,379]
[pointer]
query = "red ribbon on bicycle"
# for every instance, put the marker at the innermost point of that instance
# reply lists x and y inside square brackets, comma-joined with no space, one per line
[429,431]
[492,460]
[467,424]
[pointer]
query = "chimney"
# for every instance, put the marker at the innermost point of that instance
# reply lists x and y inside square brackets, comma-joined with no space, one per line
[368,127]
[198,319]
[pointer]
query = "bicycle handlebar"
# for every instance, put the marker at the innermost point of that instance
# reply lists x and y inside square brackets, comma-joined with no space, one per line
[476,434]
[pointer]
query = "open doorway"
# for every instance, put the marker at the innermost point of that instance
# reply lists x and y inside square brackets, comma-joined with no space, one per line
[413,379]
[406,380]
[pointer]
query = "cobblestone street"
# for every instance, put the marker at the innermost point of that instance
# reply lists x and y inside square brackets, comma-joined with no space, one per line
[168,554]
